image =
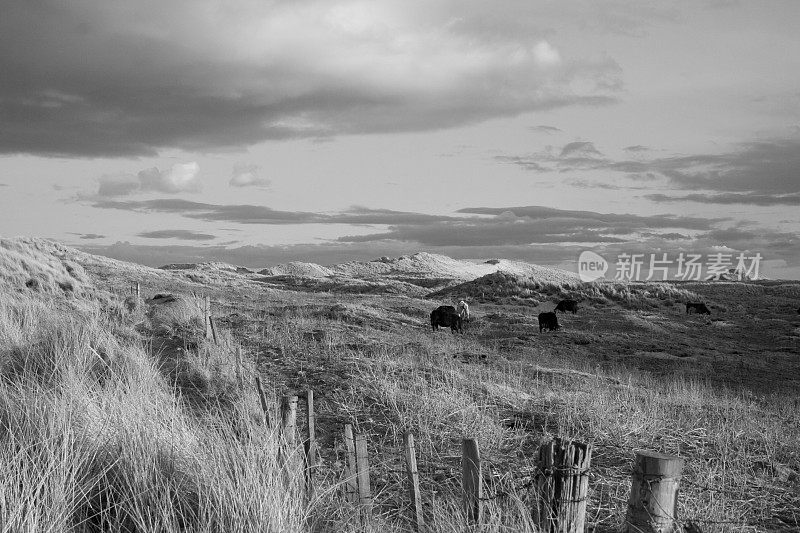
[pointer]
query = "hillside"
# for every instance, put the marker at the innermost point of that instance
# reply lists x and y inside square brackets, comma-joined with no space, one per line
[146,425]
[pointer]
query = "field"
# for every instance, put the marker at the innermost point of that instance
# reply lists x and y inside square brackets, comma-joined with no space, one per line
[117,415]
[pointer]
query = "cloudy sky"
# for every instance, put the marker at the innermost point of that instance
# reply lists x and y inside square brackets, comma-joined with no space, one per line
[261,132]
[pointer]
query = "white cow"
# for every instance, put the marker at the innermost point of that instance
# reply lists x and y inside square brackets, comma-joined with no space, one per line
[463,310]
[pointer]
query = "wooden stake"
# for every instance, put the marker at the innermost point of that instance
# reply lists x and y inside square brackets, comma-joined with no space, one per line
[364,492]
[312,432]
[289,420]
[207,316]
[413,479]
[653,503]
[265,406]
[213,329]
[472,481]
[562,485]
[351,486]
[239,380]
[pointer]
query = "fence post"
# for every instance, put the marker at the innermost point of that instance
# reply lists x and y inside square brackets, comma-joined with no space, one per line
[362,465]
[310,444]
[413,479]
[289,419]
[351,487]
[653,503]
[265,405]
[239,380]
[472,481]
[207,316]
[562,484]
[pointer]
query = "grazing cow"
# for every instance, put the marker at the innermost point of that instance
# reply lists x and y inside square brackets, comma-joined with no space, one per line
[463,310]
[446,316]
[698,307]
[548,321]
[567,305]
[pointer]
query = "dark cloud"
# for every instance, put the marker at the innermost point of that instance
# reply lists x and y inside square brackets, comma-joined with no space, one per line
[183,234]
[636,148]
[765,166]
[731,198]
[107,79]
[631,222]
[752,170]
[517,226]
[580,149]
[244,214]
[546,129]
[89,236]
[257,214]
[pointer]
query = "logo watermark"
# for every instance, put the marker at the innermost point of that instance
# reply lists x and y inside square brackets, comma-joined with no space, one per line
[663,266]
[591,266]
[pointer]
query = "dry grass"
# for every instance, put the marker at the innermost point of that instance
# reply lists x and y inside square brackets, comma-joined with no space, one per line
[118,415]
[94,438]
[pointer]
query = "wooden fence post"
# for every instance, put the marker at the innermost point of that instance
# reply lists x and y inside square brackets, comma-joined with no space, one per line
[562,484]
[413,479]
[288,453]
[213,329]
[266,406]
[362,465]
[653,503]
[289,419]
[207,316]
[351,487]
[239,380]
[472,481]
[310,444]
[312,428]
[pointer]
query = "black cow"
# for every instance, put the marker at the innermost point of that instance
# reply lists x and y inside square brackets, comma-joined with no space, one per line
[548,321]
[698,307]
[567,305]
[446,316]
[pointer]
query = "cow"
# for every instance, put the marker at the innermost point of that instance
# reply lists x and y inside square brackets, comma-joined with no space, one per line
[548,321]
[446,316]
[463,310]
[698,307]
[567,305]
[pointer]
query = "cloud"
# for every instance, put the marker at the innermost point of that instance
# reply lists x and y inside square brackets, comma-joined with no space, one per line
[518,226]
[258,214]
[630,221]
[579,149]
[545,54]
[181,177]
[183,234]
[89,236]
[751,170]
[636,148]
[546,129]
[133,79]
[247,176]
[730,198]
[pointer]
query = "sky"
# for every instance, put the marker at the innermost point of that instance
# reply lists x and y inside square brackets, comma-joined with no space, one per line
[262,132]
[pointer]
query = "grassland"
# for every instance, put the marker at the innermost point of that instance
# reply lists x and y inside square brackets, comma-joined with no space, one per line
[116,414]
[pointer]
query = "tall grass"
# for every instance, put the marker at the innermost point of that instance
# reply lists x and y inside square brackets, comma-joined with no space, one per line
[94,438]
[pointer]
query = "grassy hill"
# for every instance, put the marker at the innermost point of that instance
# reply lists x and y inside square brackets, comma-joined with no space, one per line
[117,415]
